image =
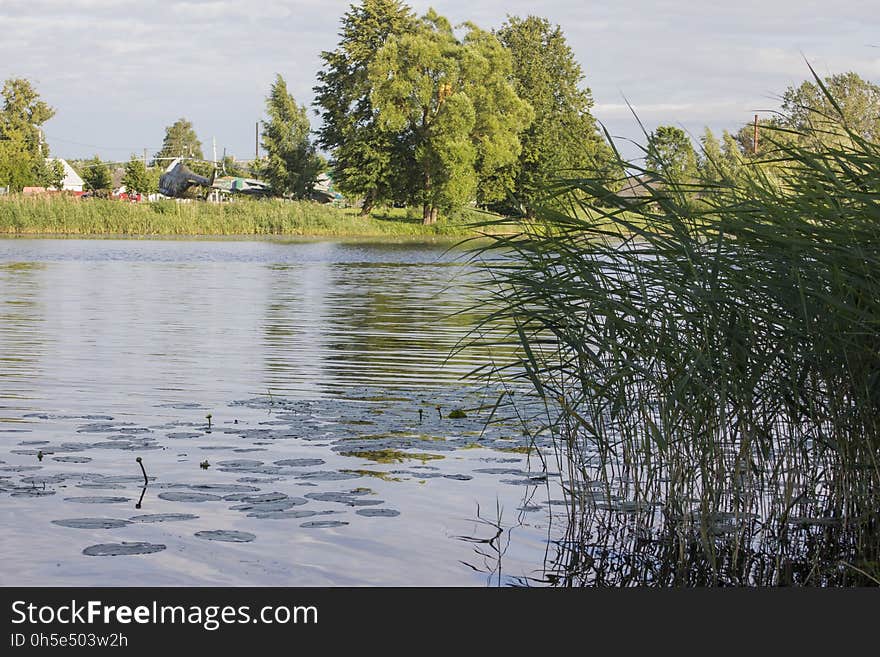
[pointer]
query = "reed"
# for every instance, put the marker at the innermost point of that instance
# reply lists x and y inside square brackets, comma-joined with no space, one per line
[709,371]
[70,216]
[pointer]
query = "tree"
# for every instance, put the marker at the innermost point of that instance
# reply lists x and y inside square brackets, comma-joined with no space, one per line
[670,152]
[292,164]
[501,115]
[807,108]
[16,164]
[137,179]
[96,175]
[23,152]
[366,158]
[54,175]
[23,115]
[452,108]
[564,136]
[180,141]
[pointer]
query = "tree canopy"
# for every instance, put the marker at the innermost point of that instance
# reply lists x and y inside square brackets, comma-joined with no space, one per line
[180,141]
[809,109]
[366,159]
[292,164]
[452,107]
[137,179]
[22,151]
[670,152]
[564,136]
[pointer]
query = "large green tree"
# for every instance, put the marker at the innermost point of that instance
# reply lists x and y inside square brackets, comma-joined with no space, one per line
[23,115]
[671,153]
[23,152]
[292,165]
[180,141]
[564,136]
[808,115]
[856,103]
[453,108]
[366,158]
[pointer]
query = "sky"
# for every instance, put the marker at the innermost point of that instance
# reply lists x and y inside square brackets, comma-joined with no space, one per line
[119,71]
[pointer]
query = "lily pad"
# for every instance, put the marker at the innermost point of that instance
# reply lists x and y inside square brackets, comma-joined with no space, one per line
[226,536]
[265,507]
[181,496]
[283,515]
[120,549]
[327,475]
[96,500]
[32,492]
[71,459]
[163,517]
[42,480]
[378,513]
[91,523]
[323,523]
[300,463]
[240,464]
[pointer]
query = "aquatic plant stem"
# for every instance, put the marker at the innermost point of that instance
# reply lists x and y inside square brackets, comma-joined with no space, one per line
[141,463]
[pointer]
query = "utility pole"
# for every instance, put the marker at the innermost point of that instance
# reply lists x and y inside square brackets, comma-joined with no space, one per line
[214,148]
[755,137]
[145,158]
[257,141]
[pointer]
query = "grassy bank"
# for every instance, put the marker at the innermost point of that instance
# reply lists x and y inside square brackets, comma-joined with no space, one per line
[66,216]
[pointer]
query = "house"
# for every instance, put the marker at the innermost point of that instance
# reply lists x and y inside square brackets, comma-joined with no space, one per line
[638,187]
[324,191]
[71,182]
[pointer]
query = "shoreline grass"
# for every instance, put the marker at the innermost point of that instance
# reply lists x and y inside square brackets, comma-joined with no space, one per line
[69,217]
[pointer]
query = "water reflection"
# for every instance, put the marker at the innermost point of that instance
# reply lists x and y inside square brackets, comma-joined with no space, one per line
[324,369]
[20,320]
[394,324]
[176,322]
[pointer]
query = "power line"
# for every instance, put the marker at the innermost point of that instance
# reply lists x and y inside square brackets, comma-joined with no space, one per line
[107,148]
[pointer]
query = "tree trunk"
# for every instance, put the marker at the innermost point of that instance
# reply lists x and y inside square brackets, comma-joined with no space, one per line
[367,205]
[429,214]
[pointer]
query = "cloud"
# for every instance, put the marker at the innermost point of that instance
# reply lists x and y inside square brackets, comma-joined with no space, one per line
[119,71]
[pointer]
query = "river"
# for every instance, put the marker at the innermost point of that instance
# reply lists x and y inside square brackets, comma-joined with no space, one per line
[289,402]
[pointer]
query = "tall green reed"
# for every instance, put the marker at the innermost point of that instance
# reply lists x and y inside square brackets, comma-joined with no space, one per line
[708,358]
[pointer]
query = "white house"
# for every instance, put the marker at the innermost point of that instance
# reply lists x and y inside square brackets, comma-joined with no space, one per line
[72,182]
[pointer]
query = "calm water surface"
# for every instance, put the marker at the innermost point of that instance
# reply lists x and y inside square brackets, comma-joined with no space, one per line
[330,458]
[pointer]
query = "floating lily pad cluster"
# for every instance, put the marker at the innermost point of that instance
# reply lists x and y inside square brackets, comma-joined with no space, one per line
[292,443]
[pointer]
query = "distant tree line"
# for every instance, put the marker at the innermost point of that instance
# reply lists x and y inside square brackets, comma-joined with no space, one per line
[807,117]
